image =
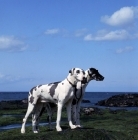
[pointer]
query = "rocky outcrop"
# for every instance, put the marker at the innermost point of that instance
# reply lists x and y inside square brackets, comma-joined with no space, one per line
[121,100]
[85,101]
[91,110]
[13,104]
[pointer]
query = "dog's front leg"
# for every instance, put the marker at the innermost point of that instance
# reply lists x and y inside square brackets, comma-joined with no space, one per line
[68,105]
[73,111]
[60,105]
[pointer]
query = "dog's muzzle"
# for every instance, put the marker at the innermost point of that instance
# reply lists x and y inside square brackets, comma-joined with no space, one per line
[100,78]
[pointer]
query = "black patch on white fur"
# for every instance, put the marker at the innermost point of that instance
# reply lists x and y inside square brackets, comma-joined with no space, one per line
[72,71]
[53,83]
[97,74]
[31,91]
[31,99]
[83,72]
[52,89]
[39,86]
[77,71]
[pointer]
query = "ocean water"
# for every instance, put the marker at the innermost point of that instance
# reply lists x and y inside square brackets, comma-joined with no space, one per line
[7,96]
[93,97]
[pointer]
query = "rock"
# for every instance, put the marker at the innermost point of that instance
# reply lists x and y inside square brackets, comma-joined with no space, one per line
[121,100]
[12,104]
[90,110]
[86,101]
[25,101]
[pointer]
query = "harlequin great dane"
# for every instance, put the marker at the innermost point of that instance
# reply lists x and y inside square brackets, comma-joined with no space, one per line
[90,74]
[60,93]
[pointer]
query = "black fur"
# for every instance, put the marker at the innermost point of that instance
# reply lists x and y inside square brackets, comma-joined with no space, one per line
[52,89]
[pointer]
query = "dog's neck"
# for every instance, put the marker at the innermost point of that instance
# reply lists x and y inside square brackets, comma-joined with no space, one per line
[72,81]
[88,77]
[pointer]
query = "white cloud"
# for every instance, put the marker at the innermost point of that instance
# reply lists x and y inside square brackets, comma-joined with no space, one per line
[52,31]
[124,16]
[124,50]
[107,36]
[8,78]
[11,44]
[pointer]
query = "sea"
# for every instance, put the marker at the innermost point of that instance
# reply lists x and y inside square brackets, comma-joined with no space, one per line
[93,97]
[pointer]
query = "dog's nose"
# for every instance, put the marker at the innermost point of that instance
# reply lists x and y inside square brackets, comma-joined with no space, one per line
[102,78]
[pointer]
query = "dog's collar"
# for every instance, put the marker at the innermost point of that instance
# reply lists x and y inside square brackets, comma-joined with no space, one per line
[71,83]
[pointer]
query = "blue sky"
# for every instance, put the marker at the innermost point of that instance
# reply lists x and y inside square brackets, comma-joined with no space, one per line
[41,40]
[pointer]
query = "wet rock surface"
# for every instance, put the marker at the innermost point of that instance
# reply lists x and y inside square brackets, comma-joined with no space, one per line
[13,104]
[91,110]
[121,100]
[85,101]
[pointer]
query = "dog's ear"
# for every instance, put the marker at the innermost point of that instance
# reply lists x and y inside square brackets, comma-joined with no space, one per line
[90,71]
[72,70]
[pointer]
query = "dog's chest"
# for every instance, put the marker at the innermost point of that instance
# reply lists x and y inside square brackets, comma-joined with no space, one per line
[69,94]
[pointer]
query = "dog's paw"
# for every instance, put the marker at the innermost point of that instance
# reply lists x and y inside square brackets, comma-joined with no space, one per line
[79,126]
[36,131]
[73,126]
[58,129]
[22,131]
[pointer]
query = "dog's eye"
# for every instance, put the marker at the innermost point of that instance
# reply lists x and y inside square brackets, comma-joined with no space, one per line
[77,71]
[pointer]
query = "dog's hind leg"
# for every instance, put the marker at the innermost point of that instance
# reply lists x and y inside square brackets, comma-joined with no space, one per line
[49,112]
[31,105]
[36,117]
[29,111]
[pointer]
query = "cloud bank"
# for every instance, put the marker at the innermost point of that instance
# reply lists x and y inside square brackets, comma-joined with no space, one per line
[124,16]
[108,36]
[124,50]
[11,44]
[8,78]
[52,31]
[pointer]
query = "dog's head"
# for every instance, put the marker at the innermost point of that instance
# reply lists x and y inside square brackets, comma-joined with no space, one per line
[78,74]
[93,74]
